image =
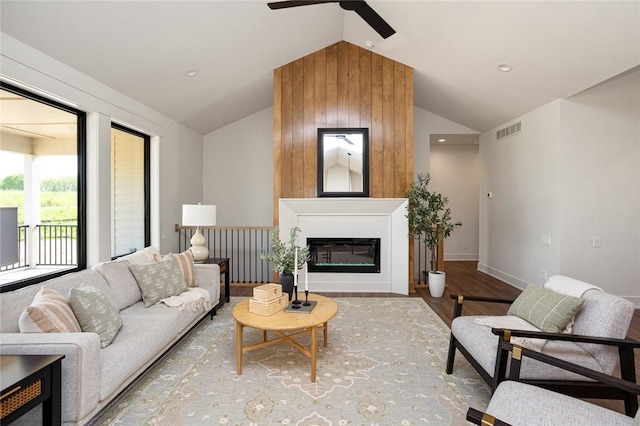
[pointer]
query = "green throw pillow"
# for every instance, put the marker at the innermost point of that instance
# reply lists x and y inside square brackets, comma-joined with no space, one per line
[95,313]
[159,280]
[545,309]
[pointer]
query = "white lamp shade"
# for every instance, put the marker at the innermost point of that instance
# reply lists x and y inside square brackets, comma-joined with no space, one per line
[198,215]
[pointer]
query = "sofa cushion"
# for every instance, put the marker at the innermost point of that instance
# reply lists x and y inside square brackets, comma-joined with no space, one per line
[145,333]
[187,267]
[546,309]
[523,404]
[48,313]
[485,345]
[95,313]
[159,280]
[124,285]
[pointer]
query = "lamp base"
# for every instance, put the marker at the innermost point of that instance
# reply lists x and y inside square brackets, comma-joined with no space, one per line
[200,253]
[198,249]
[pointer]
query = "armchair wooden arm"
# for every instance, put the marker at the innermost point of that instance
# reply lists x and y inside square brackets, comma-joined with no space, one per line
[459,300]
[517,352]
[477,417]
[624,343]
[624,388]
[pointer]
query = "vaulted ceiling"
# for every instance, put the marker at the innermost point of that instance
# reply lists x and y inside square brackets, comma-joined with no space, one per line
[143,49]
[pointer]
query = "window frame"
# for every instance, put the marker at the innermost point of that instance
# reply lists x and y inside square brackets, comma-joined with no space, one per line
[81,145]
[147,181]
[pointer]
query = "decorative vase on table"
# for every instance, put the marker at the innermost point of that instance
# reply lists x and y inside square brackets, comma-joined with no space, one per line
[286,281]
[436,283]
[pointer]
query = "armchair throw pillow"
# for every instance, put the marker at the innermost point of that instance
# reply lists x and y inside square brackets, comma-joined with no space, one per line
[159,280]
[546,309]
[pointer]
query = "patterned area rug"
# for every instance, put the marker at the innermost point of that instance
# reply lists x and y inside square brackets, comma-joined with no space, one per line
[384,365]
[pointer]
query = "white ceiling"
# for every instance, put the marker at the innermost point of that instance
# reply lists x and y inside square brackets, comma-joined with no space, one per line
[144,48]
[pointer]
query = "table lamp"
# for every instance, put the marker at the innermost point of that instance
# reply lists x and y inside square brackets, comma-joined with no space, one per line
[198,215]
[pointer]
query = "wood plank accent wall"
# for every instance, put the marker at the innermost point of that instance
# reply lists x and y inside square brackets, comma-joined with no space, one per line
[342,85]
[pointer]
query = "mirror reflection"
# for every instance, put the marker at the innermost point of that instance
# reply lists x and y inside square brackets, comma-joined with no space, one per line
[343,162]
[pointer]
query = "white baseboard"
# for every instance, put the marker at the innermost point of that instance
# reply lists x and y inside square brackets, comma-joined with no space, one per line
[503,276]
[520,284]
[452,257]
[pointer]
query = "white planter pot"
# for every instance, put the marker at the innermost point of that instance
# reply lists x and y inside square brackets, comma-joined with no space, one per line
[436,283]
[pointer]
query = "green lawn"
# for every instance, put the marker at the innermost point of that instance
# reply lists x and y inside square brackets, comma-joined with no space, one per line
[57,208]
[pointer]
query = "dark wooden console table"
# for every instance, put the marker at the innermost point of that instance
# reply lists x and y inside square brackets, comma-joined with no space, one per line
[28,380]
[223,263]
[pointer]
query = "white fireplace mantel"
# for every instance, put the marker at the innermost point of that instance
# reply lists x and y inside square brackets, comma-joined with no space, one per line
[383,218]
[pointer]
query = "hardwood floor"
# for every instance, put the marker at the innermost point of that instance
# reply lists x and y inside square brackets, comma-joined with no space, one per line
[464,278]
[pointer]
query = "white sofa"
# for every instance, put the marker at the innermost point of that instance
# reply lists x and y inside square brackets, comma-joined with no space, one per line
[92,377]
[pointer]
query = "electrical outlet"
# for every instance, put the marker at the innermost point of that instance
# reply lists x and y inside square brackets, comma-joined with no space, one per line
[595,241]
[545,239]
[465,245]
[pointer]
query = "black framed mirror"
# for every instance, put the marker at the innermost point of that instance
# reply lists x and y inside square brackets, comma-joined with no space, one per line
[343,162]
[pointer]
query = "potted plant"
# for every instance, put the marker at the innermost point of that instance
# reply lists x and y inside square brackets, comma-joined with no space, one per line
[429,217]
[283,255]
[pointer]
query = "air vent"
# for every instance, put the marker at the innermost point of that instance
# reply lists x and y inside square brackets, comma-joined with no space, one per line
[509,130]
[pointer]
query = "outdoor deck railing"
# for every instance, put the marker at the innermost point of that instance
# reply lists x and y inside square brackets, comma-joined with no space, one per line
[57,246]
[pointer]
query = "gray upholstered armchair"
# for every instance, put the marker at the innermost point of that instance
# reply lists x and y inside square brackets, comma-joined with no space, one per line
[516,403]
[597,339]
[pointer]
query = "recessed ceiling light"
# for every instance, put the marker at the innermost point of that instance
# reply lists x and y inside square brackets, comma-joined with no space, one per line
[505,67]
[442,140]
[191,73]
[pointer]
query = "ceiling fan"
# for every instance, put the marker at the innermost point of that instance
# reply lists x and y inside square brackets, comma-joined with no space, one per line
[361,7]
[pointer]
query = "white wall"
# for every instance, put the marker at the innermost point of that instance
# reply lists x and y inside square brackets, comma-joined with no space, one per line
[425,124]
[600,186]
[455,173]
[521,171]
[173,146]
[571,174]
[238,171]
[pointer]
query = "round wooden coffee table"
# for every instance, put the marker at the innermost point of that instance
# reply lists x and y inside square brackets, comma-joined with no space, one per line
[283,322]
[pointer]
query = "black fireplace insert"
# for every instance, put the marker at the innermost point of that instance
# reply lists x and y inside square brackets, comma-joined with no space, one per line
[351,255]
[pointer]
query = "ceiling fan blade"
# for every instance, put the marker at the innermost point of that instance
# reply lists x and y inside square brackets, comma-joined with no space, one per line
[372,18]
[295,3]
[344,138]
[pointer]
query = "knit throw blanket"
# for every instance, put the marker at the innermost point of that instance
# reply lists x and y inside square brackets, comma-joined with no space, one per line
[194,299]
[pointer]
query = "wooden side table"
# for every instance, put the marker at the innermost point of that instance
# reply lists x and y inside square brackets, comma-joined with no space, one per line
[223,263]
[28,380]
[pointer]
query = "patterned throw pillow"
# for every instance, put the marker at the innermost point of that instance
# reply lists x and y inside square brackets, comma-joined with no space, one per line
[48,313]
[159,280]
[546,309]
[95,313]
[188,269]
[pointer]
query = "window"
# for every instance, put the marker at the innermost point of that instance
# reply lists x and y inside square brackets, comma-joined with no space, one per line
[130,225]
[42,188]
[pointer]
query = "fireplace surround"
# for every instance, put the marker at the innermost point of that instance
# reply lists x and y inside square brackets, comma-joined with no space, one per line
[383,218]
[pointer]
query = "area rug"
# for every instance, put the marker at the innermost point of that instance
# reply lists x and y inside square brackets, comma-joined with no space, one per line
[384,365]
